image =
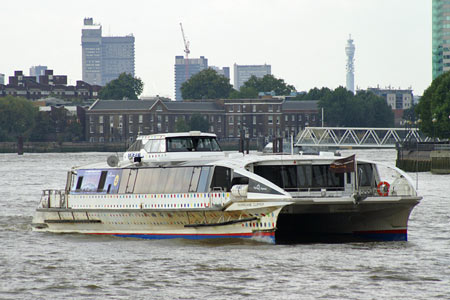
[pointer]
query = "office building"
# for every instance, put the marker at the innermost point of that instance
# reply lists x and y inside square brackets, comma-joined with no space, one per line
[105,58]
[184,69]
[397,99]
[242,73]
[225,71]
[37,71]
[441,37]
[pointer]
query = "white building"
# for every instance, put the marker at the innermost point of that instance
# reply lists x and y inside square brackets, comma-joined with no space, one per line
[242,73]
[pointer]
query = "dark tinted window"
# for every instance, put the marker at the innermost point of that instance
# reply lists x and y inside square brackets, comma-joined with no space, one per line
[221,179]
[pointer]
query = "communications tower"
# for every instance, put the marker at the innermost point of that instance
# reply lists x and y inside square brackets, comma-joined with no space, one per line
[350,51]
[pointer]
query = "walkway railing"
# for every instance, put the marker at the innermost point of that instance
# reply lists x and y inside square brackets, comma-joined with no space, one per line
[356,137]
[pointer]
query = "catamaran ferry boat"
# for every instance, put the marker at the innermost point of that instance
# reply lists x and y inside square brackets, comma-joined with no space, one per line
[182,185]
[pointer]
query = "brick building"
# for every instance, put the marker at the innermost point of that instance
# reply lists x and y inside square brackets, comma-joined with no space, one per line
[115,120]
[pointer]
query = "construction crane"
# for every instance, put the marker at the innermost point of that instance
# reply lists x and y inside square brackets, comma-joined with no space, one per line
[186,51]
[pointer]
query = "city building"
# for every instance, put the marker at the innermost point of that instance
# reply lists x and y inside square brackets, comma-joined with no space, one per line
[114,121]
[184,69]
[242,73]
[350,52]
[440,37]
[225,71]
[2,78]
[104,58]
[397,99]
[37,71]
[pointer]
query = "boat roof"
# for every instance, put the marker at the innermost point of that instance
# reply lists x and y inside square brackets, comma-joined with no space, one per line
[177,134]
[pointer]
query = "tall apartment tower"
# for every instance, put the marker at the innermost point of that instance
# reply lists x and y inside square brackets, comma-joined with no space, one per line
[242,73]
[184,69]
[105,58]
[350,52]
[441,37]
[2,78]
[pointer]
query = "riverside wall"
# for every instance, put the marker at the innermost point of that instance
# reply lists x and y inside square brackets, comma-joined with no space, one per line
[44,147]
[424,157]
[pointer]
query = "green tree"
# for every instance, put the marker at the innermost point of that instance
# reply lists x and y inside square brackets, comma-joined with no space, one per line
[244,93]
[365,109]
[17,118]
[199,122]
[181,125]
[206,84]
[269,83]
[126,86]
[435,105]
[314,94]
[43,127]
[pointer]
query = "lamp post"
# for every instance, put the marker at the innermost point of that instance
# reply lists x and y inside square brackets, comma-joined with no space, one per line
[434,120]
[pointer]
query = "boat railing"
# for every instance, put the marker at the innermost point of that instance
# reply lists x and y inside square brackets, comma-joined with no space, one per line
[53,199]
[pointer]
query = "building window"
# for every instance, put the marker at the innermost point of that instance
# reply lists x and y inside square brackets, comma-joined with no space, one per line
[254,107]
[130,129]
[159,118]
[278,108]
[141,119]
[278,120]
[239,120]
[286,118]
[91,129]
[100,129]
[219,119]
[140,129]
[130,119]
[212,118]
[238,108]
[230,120]
[270,108]
[151,118]
[120,119]
[293,118]
[254,120]
[299,118]
[230,108]
[91,119]
[100,119]
[101,139]
[270,119]
[167,119]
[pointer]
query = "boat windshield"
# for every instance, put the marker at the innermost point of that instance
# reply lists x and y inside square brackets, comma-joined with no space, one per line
[192,143]
[136,146]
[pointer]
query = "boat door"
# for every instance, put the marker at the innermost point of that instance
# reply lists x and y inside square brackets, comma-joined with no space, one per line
[348,178]
[128,177]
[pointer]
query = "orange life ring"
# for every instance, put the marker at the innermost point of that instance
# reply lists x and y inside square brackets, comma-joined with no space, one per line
[383,188]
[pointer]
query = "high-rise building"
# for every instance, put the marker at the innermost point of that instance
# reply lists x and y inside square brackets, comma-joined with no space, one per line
[225,71]
[242,73]
[350,52]
[105,58]
[2,78]
[37,71]
[441,37]
[184,69]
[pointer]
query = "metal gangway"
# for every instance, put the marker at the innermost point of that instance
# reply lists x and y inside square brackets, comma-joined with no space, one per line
[356,137]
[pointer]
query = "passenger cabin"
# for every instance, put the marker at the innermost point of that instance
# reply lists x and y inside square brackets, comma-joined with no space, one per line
[174,146]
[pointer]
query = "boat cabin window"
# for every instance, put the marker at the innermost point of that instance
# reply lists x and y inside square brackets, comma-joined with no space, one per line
[97,181]
[366,175]
[168,180]
[302,177]
[153,146]
[221,180]
[136,146]
[192,143]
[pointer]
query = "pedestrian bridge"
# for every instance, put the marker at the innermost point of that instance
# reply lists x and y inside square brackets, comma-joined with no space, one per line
[355,137]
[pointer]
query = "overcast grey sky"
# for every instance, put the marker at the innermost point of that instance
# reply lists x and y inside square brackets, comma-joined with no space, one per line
[303,40]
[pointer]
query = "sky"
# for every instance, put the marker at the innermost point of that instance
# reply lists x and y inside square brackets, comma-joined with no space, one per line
[303,40]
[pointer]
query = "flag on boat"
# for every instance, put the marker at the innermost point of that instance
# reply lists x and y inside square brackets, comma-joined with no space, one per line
[344,165]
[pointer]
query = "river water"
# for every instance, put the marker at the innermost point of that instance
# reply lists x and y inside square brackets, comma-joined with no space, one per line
[44,266]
